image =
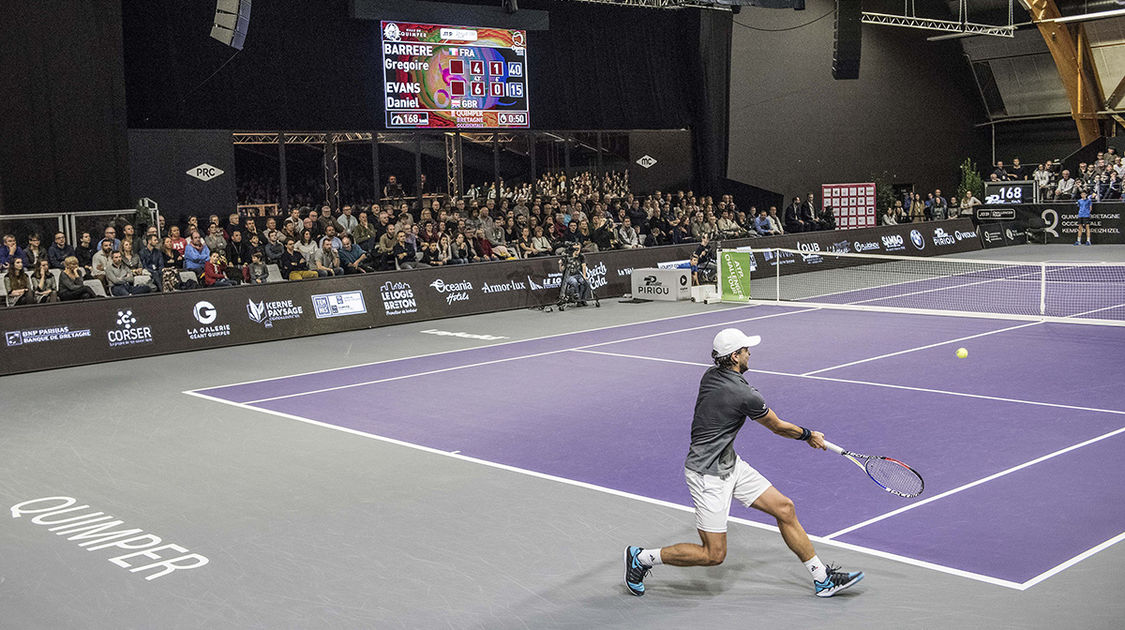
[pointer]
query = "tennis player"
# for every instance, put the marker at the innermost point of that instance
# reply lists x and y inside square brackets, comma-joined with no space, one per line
[715,473]
[1084,206]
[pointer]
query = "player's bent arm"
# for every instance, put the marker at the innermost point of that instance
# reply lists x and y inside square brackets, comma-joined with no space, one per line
[790,430]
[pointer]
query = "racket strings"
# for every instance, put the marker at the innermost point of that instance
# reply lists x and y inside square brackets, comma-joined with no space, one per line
[896,476]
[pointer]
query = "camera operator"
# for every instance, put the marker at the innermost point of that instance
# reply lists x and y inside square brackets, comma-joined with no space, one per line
[576,275]
[706,267]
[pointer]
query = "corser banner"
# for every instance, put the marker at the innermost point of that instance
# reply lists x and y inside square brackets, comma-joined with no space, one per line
[1061,219]
[66,334]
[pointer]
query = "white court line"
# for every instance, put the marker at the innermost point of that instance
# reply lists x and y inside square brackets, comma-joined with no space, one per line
[926,347]
[870,383]
[636,497]
[491,345]
[978,482]
[515,358]
[1104,308]
[1073,561]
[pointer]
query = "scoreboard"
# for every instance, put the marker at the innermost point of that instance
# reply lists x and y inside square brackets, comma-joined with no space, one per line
[454,76]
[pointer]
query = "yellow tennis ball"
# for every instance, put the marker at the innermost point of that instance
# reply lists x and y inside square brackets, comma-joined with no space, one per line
[962,353]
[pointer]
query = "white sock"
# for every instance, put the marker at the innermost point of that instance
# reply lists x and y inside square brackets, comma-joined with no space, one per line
[816,567]
[650,557]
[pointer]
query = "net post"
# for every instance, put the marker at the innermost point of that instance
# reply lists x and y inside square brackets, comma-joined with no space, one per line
[777,276]
[1043,288]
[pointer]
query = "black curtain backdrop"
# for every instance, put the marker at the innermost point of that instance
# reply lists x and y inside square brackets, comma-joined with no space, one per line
[308,66]
[62,113]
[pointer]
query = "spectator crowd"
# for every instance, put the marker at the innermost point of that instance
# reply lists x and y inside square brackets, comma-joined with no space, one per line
[488,223]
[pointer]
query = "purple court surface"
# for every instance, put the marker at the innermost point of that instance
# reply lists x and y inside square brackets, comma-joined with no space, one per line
[1017,443]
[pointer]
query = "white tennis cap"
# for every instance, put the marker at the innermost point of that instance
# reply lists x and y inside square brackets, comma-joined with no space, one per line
[730,339]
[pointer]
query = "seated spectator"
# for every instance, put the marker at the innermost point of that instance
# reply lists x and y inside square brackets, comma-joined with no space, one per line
[178,242]
[445,249]
[526,249]
[658,237]
[34,252]
[680,232]
[102,259]
[170,257]
[728,228]
[602,234]
[84,251]
[1066,188]
[259,273]
[363,234]
[404,254]
[132,260]
[110,235]
[352,257]
[482,247]
[11,251]
[460,251]
[888,217]
[828,218]
[152,260]
[215,240]
[293,265]
[762,224]
[59,251]
[17,284]
[43,286]
[431,256]
[627,237]
[809,215]
[793,222]
[72,285]
[196,254]
[775,221]
[120,278]
[326,262]
[330,236]
[214,272]
[346,223]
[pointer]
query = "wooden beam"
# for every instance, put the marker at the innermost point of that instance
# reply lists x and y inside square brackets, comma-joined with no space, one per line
[1071,52]
[1115,98]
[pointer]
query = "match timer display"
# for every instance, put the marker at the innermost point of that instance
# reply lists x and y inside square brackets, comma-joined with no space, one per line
[454,76]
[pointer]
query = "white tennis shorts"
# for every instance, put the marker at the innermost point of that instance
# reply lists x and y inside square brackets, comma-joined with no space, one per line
[712,494]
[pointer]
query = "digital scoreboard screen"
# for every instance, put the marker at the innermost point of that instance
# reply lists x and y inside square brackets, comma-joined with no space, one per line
[454,76]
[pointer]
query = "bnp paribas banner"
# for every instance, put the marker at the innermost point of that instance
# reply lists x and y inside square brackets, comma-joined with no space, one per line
[734,277]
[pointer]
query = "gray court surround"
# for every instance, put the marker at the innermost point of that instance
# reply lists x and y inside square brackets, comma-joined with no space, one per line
[307,527]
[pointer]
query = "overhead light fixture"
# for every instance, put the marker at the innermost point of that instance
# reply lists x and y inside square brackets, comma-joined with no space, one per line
[1086,17]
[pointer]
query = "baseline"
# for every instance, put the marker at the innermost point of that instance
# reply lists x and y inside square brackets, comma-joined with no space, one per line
[619,493]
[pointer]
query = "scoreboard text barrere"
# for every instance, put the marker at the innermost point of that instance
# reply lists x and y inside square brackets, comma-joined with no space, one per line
[454,76]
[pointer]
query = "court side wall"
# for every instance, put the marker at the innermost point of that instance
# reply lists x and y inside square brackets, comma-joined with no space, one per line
[94,331]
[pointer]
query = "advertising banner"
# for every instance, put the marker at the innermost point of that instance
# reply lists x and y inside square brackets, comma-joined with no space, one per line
[736,266]
[1060,219]
[666,285]
[65,334]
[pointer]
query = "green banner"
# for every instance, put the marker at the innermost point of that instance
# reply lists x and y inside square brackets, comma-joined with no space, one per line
[734,281]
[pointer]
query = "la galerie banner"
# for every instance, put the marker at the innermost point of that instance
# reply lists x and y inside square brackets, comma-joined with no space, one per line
[93,331]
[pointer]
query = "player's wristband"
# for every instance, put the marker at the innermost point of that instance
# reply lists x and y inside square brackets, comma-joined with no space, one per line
[805,435]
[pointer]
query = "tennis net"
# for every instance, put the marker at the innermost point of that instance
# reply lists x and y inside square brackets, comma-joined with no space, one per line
[1087,292]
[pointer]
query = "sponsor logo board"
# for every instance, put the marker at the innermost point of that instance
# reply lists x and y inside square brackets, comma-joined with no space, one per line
[917,240]
[267,312]
[127,331]
[42,335]
[455,291]
[338,304]
[398,298]
[941,238]
[205,313]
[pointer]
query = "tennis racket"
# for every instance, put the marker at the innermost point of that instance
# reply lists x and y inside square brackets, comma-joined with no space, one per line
[890,474]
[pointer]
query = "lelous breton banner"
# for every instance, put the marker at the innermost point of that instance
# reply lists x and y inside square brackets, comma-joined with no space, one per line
[93,331]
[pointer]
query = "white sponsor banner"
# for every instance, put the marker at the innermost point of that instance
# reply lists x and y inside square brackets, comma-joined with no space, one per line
[338,304]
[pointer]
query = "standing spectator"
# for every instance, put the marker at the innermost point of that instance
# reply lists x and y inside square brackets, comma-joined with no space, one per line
[214,272]
[326,261]
[1001,173]
[1017,171]
[11,251]
[888,217]
[917,209]
[43,286]
[120,278]
[72,284]
[939,209]
[196,254]
[59,251]
[17,284]
[968,202]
